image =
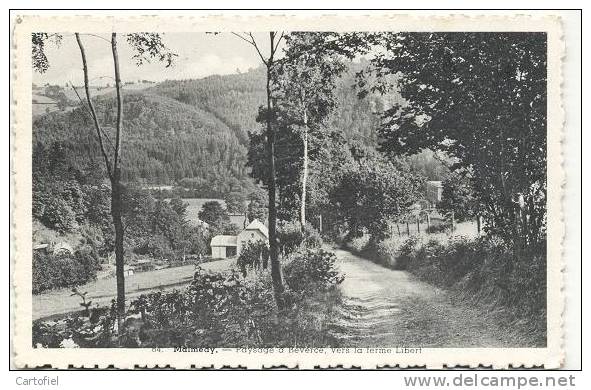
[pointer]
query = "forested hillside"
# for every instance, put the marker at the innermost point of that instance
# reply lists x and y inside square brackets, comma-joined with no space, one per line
[195,129]
[165,141]
[233,99]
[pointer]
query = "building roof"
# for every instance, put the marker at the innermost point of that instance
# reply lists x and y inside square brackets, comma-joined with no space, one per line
[224,241]
[238,219]
[258,225]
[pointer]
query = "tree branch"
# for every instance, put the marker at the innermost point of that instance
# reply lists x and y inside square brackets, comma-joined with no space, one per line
[91,107]
[278,41]
[98,36]
[90,114]
[117,156]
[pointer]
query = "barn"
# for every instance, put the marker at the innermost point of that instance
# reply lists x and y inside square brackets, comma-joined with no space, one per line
[224,246]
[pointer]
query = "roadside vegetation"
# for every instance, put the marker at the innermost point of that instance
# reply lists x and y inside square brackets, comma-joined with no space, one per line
[216,310]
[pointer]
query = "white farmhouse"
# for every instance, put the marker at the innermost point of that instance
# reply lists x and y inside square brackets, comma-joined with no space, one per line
[224,246]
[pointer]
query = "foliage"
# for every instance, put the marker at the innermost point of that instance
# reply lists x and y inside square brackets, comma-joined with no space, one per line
[178,206]
[431,165]
[484,269]
[459,197]
[234,99]
[481,98]
[311,270]
[291,237]
[236,202]
[305,80]
[72,200]
[217,309]
[257,205]
[166,141]
[254,255]
[62,270]
[214,214]
[371,191]
[148,46]
[39,40]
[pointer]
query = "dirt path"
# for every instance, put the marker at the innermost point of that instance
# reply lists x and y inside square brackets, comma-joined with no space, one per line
[388,308]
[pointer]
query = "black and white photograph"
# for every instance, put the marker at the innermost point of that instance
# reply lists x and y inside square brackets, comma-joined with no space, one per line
[381,192]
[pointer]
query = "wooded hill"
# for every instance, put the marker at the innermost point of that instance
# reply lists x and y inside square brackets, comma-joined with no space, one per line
[194,129]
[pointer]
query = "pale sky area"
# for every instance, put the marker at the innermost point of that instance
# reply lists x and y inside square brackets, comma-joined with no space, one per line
[199,55]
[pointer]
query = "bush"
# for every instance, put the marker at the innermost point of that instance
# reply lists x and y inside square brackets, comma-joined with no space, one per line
[156,246]
[64,270]
[311,270]
[291,237]
[254,256]
[358,244]
[59,215]
[386,252]
[484,269]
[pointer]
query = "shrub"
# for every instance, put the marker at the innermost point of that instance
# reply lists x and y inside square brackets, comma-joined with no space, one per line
[58,215]
[385,252]
[156,246]
[485,270]
[291,237]
[358,244]
[64,270]
[406,251]
[311,270]
[253,255]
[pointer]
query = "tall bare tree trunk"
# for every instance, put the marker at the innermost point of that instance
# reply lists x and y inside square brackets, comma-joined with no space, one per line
[119,256]
[113,171]
[273,244]
[304,175]
[116,189]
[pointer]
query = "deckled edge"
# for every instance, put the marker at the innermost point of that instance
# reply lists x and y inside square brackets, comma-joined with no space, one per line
[455,18]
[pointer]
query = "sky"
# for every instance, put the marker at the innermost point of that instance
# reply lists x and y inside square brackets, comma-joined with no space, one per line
[199,55]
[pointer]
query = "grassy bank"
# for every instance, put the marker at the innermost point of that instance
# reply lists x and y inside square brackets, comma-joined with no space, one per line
[510,287]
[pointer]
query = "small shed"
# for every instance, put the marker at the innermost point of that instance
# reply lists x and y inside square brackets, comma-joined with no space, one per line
[128,270]
[223,246]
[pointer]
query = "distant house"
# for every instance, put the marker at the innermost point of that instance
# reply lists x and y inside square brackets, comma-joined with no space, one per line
[128,270]
[434,192]
[60,248]
[224,246]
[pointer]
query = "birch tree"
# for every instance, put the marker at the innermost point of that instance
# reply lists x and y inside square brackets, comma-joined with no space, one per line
[306,80]
[146,46]
[268,115]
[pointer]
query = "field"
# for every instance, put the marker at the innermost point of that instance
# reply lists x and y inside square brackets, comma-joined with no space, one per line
[102,291]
